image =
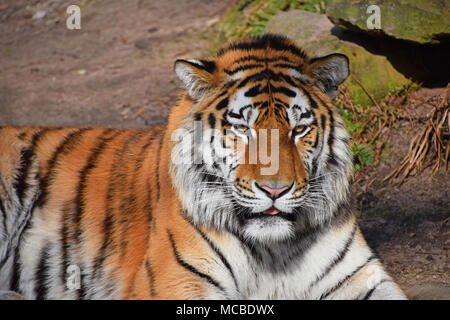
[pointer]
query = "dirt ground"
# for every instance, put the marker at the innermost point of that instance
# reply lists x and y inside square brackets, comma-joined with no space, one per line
[117,71]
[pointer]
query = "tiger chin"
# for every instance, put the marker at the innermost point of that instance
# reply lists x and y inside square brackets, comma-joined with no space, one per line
[243,195]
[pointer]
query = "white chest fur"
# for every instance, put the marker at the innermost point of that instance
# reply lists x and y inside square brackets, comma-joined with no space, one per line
[337,257]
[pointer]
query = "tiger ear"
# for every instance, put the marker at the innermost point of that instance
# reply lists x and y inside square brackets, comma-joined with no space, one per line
[197,75]
[329,72]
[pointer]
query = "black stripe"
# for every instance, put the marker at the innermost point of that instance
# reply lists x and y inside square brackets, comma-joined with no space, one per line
[3,212]
[150,275]
[337,259]
[254,77]
[294,82]
[209,65]
[259,59]
[212,120]
[253,92]
[225,88]
[243,68]
[222,258]
[323,121]
[158,186]
[227,85]
[222,104]
[190,267]
[20,184]
[312,102]
[331,156]
[235,115]
[316,141]
[148,205]
[269,74]
[63,148]
[101,256]
[79,199]
[266,89]
[286,105]
[42,274]
[198,116]
[17,271]
[341,282]
[217,251]
[64,241]
[287,66]
[264,105]
[286,91]
[369,294]
[224,122]
[278,114]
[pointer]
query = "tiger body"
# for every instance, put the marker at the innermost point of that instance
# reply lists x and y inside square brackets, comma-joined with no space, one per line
[121,207]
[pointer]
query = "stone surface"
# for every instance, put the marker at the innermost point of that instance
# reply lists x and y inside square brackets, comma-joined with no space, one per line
[321,37]
[413,20]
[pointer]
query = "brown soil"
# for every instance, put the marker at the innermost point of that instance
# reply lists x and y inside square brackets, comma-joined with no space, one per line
[117,71]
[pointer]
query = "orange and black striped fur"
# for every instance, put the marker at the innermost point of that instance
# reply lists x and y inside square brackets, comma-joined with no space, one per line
[183,213]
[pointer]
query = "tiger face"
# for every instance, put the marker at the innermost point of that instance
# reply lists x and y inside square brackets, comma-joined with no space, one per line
[262,153]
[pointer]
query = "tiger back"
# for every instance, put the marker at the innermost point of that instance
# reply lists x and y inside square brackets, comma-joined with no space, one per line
[244,194]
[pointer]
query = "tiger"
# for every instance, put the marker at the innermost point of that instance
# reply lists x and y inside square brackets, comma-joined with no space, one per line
[183,211]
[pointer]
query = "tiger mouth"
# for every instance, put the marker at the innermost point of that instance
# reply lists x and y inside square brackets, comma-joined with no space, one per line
[272,211]
[270,214]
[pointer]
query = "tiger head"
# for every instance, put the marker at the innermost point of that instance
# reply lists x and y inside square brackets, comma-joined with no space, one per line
[262,152]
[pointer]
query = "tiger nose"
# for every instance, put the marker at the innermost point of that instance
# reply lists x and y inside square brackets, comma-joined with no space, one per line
[273,192]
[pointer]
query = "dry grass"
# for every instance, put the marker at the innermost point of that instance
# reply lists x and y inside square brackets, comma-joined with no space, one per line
[430,147]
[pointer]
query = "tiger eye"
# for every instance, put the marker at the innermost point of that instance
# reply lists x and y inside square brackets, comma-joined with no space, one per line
[300,129]
[241,128]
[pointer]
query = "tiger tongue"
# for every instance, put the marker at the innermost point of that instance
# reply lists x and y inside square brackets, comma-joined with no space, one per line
[272,211]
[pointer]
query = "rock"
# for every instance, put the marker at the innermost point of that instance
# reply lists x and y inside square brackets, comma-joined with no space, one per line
[412,20]
[40,14]
[212,21]
[375,72]
[429,291]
